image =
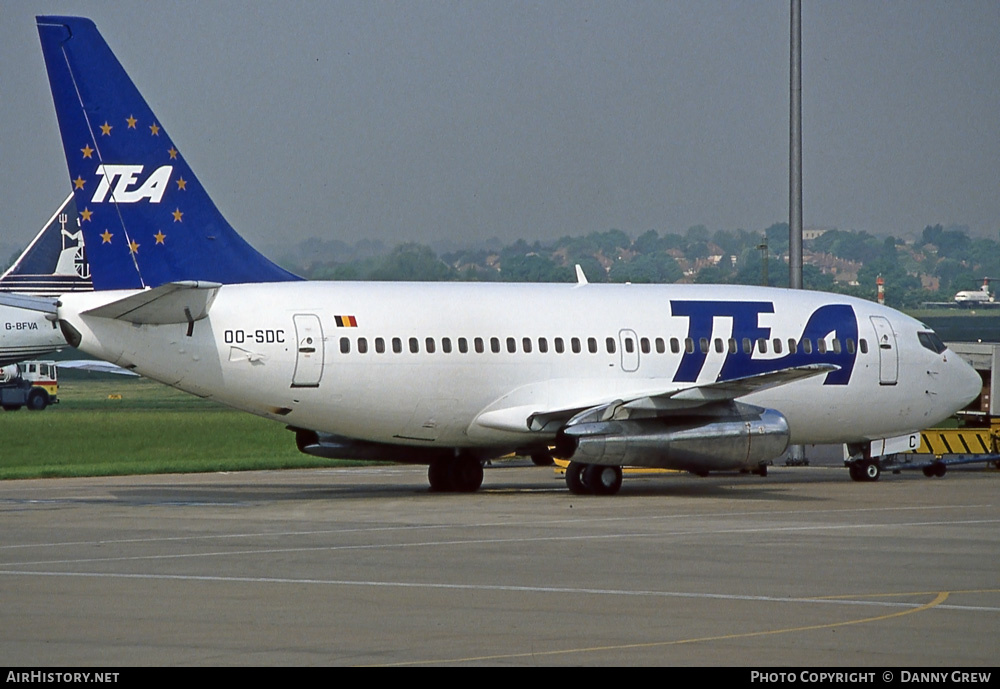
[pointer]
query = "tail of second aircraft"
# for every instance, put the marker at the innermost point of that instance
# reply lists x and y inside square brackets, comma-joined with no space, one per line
[55,262]
[145,218]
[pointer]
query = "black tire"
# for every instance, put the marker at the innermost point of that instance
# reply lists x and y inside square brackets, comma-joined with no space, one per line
[940,469]
[603,480]
[466,475]
[439,476]
[870,470]
[855,471]
[928,470]
[11,407]
[574,479]
[38,399]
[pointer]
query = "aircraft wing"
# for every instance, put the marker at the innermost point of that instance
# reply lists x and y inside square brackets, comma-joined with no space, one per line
[522,417]
[175,302]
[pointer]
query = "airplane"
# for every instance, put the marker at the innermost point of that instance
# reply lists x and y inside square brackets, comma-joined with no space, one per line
[974,297]
[54,263]
[699,378]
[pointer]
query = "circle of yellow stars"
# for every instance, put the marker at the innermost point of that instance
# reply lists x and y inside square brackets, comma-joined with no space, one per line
[79,183]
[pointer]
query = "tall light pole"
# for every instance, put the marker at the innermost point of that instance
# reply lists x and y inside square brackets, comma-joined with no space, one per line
[796,453]
[795,152]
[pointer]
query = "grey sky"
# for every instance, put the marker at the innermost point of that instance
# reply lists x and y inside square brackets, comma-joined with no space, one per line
[439,120]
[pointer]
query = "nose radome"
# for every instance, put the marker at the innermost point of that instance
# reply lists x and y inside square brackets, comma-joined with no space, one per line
[967,383]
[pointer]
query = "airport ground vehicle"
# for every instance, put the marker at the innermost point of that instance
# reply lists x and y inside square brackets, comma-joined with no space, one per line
[31,384]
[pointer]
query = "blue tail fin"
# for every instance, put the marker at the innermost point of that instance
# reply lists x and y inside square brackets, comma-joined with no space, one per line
[146,220]
[55,262]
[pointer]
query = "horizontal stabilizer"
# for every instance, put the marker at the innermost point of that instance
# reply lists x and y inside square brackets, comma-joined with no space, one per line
[174,302]
[23,301]
[95,366]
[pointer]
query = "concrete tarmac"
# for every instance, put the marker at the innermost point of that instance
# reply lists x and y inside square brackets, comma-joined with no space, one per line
[364,566]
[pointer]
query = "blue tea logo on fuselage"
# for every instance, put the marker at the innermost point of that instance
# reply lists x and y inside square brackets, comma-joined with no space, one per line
[836,325]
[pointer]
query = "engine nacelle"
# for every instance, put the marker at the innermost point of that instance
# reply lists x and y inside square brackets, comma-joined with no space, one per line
[743,438]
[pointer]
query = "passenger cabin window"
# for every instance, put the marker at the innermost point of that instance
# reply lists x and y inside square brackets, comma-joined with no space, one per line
[495,345]
[543,345]
[592,345]
[660,345]
[807,346]
[414,345]
[379,345]
[480,345]
[446,345]
[863,343]
[362,345]
[675,345]
[821,346]
[526,345]
[762,345]
[560,345]
[397,345]
[511,345]
[463,345]
[703,344]
[345,345]
[776,343]
[644,345]
[720,346]
[609,343]
[575,342]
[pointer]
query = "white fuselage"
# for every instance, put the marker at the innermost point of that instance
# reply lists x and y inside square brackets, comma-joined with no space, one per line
[26,334]
[321,356]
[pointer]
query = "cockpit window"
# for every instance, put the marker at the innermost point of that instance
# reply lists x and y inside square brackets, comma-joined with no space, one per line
[932,342]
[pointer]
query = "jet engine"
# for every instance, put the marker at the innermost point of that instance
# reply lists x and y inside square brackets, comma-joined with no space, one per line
[738,436]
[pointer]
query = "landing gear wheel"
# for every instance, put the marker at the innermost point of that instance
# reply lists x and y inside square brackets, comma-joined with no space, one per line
[455,475]
[603,480]
[439,476]
[574,479]
[38,399]
[870,470]
[466,475]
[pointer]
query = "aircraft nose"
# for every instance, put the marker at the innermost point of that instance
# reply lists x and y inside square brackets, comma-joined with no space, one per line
[967,385]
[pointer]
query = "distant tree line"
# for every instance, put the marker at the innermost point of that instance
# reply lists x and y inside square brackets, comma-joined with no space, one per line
[948,257]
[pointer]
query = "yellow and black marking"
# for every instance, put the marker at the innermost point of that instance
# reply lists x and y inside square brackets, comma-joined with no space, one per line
[959,441]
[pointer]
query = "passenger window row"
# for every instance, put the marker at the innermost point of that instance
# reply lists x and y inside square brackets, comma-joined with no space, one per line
[526,345]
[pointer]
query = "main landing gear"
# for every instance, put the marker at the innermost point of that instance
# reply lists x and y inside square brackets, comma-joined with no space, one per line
[461,474]
[593,479]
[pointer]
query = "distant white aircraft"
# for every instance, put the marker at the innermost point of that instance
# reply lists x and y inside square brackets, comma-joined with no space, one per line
[691,377]
[54,263]
[973,297]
